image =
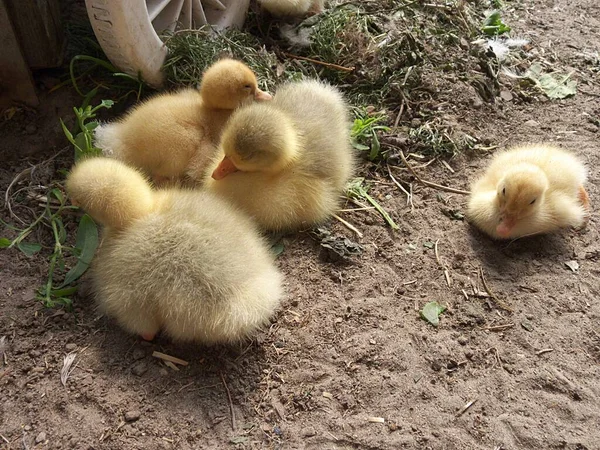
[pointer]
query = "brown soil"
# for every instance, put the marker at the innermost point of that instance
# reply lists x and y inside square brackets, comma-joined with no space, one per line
[347,344]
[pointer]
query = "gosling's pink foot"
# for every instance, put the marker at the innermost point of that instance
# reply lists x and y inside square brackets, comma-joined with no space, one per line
[148,336]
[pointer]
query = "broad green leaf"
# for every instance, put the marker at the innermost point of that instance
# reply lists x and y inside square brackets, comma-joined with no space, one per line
[29,248]
[375,147]
[91,126]
[493,25]
[4,242]
[360,147]
[58,195]
[431,313]
[86,242]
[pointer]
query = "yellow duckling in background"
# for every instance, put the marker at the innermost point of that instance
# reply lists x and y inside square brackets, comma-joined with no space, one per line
[174,135]
[182,261]
[530,190]
[293,8]
[286,162]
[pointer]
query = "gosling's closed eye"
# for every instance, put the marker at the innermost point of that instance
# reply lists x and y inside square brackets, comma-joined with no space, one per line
[532,201]
[503,191]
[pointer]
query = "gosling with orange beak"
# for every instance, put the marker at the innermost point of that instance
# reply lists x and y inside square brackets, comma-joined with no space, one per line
[175,135]
[529,190]
[286,162]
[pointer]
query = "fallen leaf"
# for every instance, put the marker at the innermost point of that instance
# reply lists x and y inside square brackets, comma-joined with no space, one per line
[431,313]
[553,84]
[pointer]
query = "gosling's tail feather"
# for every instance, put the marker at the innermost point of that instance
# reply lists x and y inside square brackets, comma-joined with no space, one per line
[113,193]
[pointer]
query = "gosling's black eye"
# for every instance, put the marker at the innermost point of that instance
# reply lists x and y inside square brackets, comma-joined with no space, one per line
[247,86]
[532,201]
[503,191]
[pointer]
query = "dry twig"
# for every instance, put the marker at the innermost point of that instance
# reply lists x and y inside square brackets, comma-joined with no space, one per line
[408,194]
[430,183]
[491,294]
[466,407]
[232,411]
[348,225]
[170,358]
[322,63]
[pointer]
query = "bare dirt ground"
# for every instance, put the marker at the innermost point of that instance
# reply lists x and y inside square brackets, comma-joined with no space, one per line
[347,344]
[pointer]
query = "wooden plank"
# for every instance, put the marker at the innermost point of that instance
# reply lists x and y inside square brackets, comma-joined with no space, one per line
[16,84]
[38,27]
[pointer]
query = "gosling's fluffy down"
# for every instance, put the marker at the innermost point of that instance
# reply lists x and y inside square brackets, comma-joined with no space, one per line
[530,190]
[174,135]
[293,8]
[187,262]
[286,162]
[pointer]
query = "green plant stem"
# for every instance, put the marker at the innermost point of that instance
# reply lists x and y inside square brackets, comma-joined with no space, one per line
[382,211]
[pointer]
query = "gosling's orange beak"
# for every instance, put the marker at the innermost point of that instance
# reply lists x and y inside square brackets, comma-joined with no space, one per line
[262,96]
[505,226]
[224,168]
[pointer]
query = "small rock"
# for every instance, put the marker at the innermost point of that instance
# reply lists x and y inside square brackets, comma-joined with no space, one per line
[41,437]
[309,432]
[462,340]
[451,364]
[532,123]
[132,416]
[506,96]
[573,265]
[30,129]
[70,347]
[527,325]
[27,427]
[295,303]
[138,353]
[140,369]
[436,365]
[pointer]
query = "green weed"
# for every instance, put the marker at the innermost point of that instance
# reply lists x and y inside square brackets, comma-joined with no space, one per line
[83,139]
[357,189]
[493,25]
[364,132]
[192,51]
[55,292]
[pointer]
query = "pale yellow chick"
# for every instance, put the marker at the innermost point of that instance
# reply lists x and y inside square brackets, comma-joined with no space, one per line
[185,262]
[174,135]
[286,162]
[529,190]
